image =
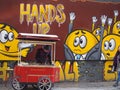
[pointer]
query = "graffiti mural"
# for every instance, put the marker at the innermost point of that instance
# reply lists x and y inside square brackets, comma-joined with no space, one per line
[110,42]
[42,16]
[85,45]
[92,70]
[9,44]
[69,71]
[101,45]
[89,35]
[77,42]
[110,46]
[95,45]
[108,75]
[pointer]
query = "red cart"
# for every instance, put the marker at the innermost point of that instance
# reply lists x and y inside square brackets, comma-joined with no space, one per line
[40,76]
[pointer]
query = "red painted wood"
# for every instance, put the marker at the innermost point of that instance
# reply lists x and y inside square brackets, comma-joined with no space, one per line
[32,73]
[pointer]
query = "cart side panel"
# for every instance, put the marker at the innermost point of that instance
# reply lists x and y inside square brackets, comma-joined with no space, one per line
[56,76]
[31,74]
[35,73]
[20,73]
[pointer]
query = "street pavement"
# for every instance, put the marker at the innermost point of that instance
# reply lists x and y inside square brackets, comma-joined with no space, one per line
[86,86]
[108,85]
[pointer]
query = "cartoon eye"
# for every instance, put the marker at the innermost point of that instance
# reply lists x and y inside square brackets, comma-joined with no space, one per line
[118,26]
[83,41]
[76,41]
[97,32]
[112,44]
[11,36]
[4,36]
[106,45]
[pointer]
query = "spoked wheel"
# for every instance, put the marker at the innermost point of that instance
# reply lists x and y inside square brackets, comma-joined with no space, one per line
[16,84]
[44,83]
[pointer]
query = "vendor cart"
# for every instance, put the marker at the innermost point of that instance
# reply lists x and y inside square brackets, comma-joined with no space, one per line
[38,75]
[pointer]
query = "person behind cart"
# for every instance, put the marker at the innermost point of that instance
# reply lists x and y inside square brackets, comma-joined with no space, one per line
[116,66]
[43,55]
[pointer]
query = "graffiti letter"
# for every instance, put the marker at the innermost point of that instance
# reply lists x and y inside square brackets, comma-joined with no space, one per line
[61,71]
[34,12]
[52,13]
[60,19]
[34,28]
[23,12]
[76,71]
[44,13]
[43,28]
[68,74]
[109,75]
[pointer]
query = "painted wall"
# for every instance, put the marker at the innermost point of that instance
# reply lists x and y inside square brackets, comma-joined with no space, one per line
[93,70]
[89,34]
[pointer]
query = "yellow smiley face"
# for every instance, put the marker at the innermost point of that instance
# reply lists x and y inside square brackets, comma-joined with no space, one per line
[9,44]
[96,32]
[8,41]
[110,45]
[81,41]
[116,28]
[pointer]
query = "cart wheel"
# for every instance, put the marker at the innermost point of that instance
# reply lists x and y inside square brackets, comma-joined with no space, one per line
[16,85]
[44,83]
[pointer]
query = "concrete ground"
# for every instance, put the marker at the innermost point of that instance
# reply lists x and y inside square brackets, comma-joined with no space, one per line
[71,86]
[86,86]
